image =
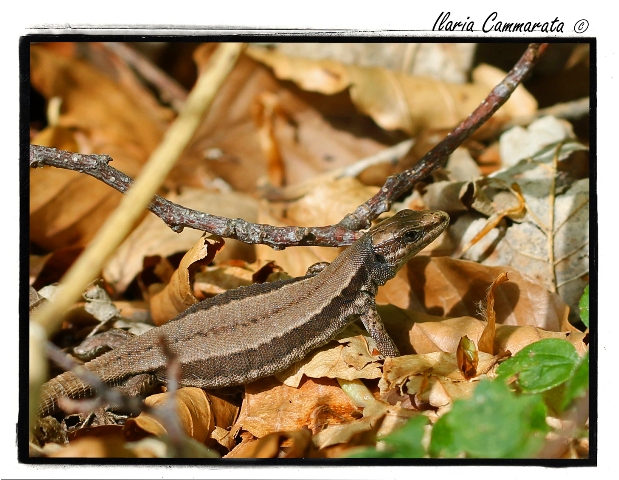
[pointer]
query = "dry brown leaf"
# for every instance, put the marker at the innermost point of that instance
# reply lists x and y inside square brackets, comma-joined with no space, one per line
[378,420]
[519,143]
[267,109]
[328,203]
[271,407]
[152,237]
[214,280]
[397,370]
[48,269]
[434,379]
[109,446]
[513,339]
[193,410]
[344,433]
[446,61]
[218,279]
[437,392]
[313,134]
[394,100]
[486,341]
[443,335]
[348,361]
[451,288]
[549,238]
[177,295]
[105,117]
[289,444]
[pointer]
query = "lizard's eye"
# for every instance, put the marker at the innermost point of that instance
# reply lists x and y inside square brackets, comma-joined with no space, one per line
[412,236]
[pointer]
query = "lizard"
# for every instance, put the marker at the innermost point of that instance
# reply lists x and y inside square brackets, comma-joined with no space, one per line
[255,331]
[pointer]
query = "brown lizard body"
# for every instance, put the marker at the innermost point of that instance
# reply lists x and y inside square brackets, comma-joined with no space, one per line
[256,331]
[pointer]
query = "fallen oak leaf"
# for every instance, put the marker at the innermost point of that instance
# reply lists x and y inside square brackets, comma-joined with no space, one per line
[448,287]
[177,295]
[152,237]
[193,410]
[271,407]
[285,444]
[394,100]
[349,360]
[433,379]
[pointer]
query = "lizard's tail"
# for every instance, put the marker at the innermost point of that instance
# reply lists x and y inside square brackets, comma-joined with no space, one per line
[65,385]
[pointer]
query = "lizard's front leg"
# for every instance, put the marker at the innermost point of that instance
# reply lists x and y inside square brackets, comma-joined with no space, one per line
[375,327]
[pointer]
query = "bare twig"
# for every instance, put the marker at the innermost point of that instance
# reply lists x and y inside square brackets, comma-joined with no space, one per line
[177,217]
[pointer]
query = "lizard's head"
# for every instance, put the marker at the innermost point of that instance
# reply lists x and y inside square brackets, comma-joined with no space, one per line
[399,238]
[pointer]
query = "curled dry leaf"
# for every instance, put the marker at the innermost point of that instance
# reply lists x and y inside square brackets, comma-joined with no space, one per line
[177,295]
[486,341]
[394,100]
[197,411]
[266,112]
[345,433]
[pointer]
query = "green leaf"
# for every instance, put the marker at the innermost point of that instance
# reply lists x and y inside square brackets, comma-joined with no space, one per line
[541,366]
[403,443]
[584,307]
[493,423]
[407,440]
[578,385]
